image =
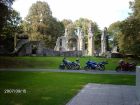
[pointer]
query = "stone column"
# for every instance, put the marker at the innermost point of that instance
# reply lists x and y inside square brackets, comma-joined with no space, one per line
[138,82]
[77,32]
[90,41]
[66,32]
[103,41]
[80,41]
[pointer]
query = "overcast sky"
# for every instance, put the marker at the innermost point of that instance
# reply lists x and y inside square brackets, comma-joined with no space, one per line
[103,12]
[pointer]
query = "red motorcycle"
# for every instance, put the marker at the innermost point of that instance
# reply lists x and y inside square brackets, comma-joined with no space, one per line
[125,66]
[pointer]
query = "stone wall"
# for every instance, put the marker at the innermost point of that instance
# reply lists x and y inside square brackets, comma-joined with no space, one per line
[71,53]
[50,52]
[21,42]
[63,46]
[27,50]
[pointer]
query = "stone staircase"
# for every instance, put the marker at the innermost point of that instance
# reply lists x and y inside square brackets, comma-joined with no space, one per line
[20,43]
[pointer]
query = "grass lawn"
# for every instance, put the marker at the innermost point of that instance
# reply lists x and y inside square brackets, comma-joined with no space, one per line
[49,88]
[50,62]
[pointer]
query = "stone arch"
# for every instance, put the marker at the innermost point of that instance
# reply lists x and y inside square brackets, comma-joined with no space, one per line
[72,44]
[60,42]
[34,49]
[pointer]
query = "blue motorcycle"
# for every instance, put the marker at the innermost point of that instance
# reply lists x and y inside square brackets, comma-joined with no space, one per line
[91,65]
[69,65]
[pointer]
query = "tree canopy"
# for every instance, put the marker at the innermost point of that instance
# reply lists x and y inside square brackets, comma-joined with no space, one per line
[5,11]
[127,32]
[114,32]
[130,30]
[41,25]
[10,28]
[9,25]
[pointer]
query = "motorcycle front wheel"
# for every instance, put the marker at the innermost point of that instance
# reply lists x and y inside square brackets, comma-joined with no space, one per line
[77,67]
[102,68]
[61,67]
[118,68]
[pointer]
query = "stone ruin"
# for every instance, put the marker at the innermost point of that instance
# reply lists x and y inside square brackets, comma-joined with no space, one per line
[78,42]
[65,45]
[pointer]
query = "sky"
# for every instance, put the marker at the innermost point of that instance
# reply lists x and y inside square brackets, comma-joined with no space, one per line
[103,12]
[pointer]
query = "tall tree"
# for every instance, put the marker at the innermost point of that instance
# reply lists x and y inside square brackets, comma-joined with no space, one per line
[130,36]
[10,29]
[41,25]
[5,11]
[130,31]
[135,6]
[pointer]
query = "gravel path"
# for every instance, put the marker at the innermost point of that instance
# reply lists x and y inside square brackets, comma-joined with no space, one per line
[72,71]
[105,94]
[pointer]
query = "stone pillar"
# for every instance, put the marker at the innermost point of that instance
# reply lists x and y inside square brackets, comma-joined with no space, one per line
[103,41]
[80,41]
[77,32]
[66,39]
[40,48]
[138,82]
[66,32]
[90,41]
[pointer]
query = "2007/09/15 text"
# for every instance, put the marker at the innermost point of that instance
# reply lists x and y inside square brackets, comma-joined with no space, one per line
[16,91]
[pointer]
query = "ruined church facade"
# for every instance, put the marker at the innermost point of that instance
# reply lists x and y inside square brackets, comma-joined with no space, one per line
[76,43]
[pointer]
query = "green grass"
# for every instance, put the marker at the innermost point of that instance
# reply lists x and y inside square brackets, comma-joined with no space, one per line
[50,62]
[48,88]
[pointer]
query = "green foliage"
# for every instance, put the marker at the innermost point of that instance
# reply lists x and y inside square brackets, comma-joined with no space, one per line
[130,31]
[84,24]
[41,25]
[71,30]
[3,16]
[4,12]
[135,6]
[130,35]
[10,28]
[127,33]
[114,32]
[12,25]
[66,22]
[9,21]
